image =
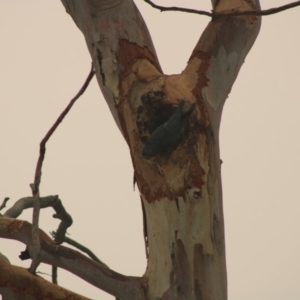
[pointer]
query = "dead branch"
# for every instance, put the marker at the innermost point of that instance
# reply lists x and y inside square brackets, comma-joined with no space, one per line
[17,283]
[38,172]
[54,274]
[80,247]
[124,287]
[4,203]
[59,235]
[265,12]
[35,227]
[175,8]
[49,201]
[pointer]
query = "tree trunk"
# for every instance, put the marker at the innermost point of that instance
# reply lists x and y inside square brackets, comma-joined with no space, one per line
[180,184]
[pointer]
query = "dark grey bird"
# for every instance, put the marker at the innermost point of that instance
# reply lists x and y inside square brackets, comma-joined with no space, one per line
[166,136]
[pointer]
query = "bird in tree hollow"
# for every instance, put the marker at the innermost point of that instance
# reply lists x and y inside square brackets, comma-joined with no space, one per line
[166,137]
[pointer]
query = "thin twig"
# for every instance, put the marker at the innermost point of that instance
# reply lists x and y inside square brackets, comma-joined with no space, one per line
[80,247]
[38,174]
[4,203]
[42,273]
[175,8]
[54,274]
[265,12]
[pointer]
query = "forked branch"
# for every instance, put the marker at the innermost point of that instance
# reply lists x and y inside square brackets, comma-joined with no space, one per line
[97,274]
[49,201]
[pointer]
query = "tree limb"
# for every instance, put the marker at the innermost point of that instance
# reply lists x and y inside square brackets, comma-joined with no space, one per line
[265,12]
[54,274]
[80,247]
[4,203]
[175,8]
[124,287]
[49,201]
[17,283]
[35,226]
[38,172]
[119,44]
[66,220]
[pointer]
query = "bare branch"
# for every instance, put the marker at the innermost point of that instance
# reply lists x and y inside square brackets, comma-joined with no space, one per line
[59,235]
[38,172]
[35,227]
[4,203]
[175,8]
[49,201]
[266,12]
[42,273]
[80,247]
[124,287]
[54,274]
[18,284]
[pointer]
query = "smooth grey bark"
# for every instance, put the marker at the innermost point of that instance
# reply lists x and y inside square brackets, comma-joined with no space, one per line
[182,191]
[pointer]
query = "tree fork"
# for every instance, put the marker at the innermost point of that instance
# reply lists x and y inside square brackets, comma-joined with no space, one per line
[181,190]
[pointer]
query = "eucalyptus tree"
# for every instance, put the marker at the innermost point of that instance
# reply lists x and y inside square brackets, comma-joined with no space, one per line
[171,125]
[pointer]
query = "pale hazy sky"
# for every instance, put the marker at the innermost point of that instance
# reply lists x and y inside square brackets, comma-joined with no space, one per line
[43,63]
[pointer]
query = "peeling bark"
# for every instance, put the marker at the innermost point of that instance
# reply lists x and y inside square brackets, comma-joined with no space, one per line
[116,37]
[181,190]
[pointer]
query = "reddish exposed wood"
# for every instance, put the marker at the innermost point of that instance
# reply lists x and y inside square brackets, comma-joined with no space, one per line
[22,284]
[128,54]
[202,81]
[93,272]
[196,174]
[181,190]
[155,181]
